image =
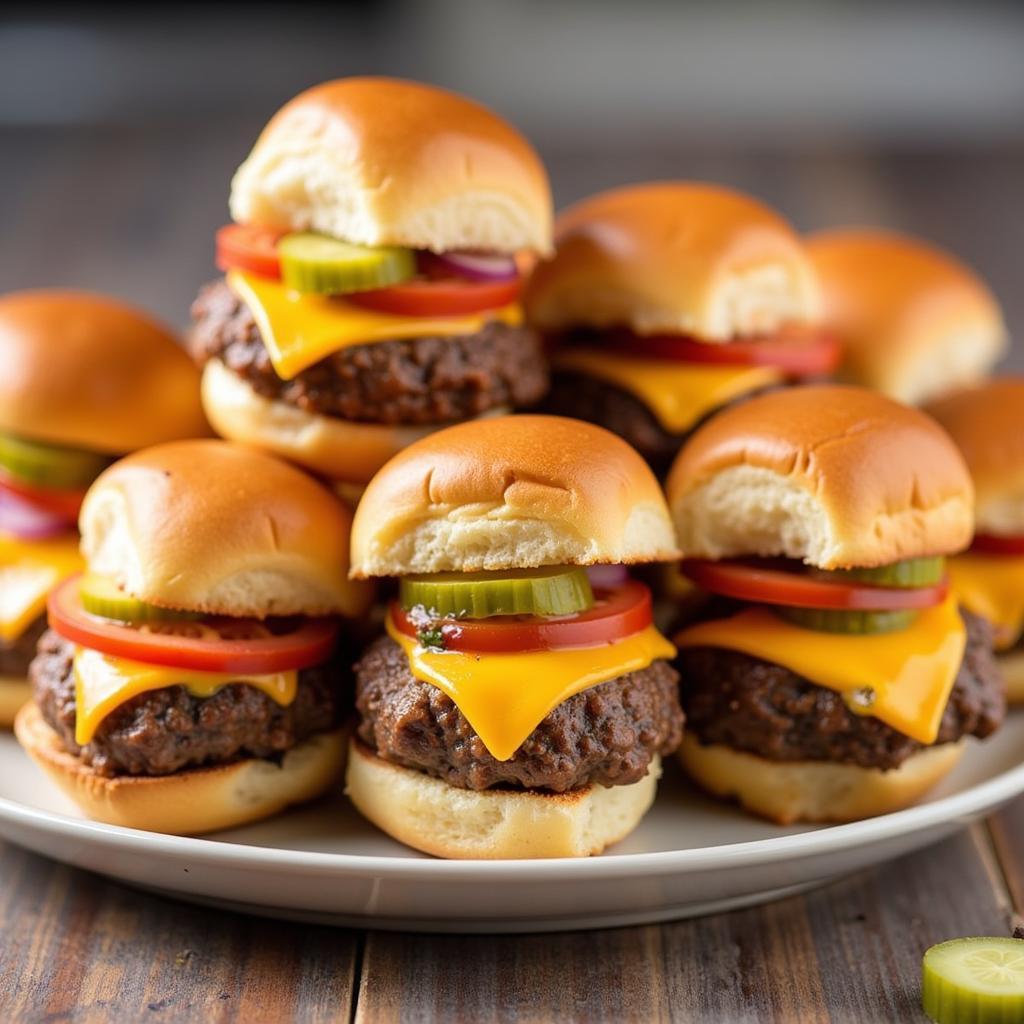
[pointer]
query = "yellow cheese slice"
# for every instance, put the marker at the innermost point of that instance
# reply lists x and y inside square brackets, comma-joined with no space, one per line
[992,586]
[679,394]
[299,330]
[29,570]
[506,696]
[104,683]
[903,679]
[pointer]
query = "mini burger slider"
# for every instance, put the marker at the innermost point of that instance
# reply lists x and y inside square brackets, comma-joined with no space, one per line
[83,380]
[832,676]
[189,680]
[372,283]
[914,322]
[987,424]
[669,301]
[517,706]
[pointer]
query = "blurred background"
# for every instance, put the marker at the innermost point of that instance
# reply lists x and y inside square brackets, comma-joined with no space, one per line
[120,127]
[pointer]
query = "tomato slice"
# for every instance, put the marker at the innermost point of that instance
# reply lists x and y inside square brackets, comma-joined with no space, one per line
[217,644]
[989,544]
[63,504]
[445,297]
[243,247]
[762,582]
[796,352]
[617,613]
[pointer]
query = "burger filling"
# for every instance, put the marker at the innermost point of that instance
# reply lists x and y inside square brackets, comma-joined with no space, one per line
[16,654]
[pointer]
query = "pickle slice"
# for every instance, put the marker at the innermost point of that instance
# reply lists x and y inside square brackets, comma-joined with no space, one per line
[842,620]
[101,596]
[328,266]
[552,590]
[913,572]
[47,465]
[976,980]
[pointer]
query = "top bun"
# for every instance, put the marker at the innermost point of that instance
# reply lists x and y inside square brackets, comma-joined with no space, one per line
[987,424]
[380,161]
[85,371]
[914,321]
[675,257]
[510,493]
[839,477]
[213,527]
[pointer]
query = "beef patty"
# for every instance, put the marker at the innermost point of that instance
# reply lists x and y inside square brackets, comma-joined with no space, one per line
[165,730]
[607,734]
[748,704]
[16,657]
[411,381]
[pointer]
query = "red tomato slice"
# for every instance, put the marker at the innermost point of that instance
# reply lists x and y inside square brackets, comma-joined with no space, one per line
[797,353]
[64,504]
[309,643]
[616,614]
[760,582]
[988,544]
[242,247]
[450,297]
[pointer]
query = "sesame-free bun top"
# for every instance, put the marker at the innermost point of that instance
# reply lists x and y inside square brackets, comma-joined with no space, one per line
[214,527]
[381,161]
[86,371]
[676,257]
[914,321]
[511,492]
[838,477]
[987,424]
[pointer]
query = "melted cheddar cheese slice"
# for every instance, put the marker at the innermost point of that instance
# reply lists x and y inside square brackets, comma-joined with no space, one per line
[903,679]
[679,394]
[991,586]
[103,683]
[506,696]
[29,570]
[299,330]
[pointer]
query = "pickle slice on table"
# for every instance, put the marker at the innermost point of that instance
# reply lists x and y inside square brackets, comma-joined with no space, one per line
[101,596]
[974,981]
[47,465]
[910,573]
[551,590]
[842,620]
[328,266]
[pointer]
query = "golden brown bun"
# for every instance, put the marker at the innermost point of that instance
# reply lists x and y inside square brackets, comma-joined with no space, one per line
[511,492]
[215,527]
[429,815]
[193,801]
[814,791]
[380,161]
[339,449]
[85,371]
[987,424]
[678,257]
[835,476]
[914,321]
[13,694]
[1012,666]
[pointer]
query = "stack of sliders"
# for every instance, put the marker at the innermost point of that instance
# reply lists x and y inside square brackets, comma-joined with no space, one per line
[987,423]
[914,322]
[190,679]
[372,281]
[518,705]
[83,380]
[831,675]
[669,301]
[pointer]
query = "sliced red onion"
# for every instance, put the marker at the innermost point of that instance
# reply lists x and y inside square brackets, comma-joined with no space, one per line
[25,520]
[607,576]
[474,266]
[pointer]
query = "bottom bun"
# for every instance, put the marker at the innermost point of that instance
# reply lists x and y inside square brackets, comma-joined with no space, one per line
[814,791]
[14,693]
[429,815]
[192,801]
[1012,665]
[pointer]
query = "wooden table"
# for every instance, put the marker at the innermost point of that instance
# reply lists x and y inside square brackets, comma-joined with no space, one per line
[132,211]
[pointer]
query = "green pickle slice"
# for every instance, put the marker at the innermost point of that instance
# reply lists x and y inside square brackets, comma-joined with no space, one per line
[832,620]
[551,590]
[974,981]
[328,266]
[48,465]
[101,596]
[913,572]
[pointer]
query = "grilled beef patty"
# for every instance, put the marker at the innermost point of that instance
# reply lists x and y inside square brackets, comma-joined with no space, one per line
[16,657]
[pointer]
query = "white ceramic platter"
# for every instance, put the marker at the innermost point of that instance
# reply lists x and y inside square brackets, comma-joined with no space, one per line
[323,863]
